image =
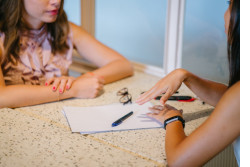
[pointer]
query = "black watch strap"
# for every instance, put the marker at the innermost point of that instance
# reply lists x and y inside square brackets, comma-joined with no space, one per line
[174,118]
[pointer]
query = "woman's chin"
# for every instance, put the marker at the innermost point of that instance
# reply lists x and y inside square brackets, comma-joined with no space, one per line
[50,19]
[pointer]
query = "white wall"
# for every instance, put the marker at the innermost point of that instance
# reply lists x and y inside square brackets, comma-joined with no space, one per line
[204,41]
[73,10]
[134,28]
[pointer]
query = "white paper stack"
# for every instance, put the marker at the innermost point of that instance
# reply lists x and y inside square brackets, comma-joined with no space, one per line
[87,120]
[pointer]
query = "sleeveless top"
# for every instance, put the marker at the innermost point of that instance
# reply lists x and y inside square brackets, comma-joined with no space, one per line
[236,146]
[36,61]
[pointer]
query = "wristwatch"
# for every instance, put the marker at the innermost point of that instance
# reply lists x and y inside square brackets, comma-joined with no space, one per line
[174,118]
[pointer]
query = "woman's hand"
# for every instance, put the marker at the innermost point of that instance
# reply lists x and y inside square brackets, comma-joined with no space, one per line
[62,83]
[167,85]
[87,87]
[161,113]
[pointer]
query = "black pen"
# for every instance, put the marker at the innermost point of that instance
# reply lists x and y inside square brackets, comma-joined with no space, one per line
[178,98]
[119,121]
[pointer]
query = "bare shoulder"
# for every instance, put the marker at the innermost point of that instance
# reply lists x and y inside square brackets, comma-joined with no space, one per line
[233,92]
[73,26]
[76,29]
[79,34]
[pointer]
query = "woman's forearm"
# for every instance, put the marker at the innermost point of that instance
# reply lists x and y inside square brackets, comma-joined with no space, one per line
[115,70]
[25,95]
[174,136]
[207,140]
[206,90]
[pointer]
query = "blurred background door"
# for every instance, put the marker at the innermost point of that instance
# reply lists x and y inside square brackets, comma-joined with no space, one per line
[134,28]
[159,35]
[204,50]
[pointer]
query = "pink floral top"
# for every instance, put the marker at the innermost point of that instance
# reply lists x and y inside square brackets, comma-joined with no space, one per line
[37,63]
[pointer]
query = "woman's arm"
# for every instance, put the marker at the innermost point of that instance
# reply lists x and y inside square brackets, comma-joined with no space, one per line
[206,90]
[24,95]
[112,65]
[217,132]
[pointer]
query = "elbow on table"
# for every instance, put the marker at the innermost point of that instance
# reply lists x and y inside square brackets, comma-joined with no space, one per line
[3,98]
[130,68]
[172,164]
[2,102]
[6,103]
[178,161]
[125,67]
[175,161]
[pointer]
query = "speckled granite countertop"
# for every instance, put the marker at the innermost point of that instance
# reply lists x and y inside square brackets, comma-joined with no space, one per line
[40,136]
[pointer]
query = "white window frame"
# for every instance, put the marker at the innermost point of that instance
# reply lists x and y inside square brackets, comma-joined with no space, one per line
[174,35]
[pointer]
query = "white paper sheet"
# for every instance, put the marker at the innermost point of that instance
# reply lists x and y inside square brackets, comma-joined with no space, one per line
[87,120]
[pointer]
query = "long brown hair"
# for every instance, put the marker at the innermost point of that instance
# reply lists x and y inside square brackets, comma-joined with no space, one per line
[11,24]
[233,43]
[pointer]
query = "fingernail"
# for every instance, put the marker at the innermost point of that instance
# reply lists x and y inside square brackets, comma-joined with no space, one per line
[46,84]
[54,88]
[67,87]
[60,91]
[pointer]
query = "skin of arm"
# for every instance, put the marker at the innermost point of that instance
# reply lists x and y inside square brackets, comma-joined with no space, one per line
[206,90]
[23,95]
[217,132]
[112,66]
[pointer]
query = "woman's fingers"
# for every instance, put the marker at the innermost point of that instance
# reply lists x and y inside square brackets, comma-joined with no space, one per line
[55,84]
[154,110]
[62,85]
[157,107]
[144,96]
[165,97]
[158,89]
[158,116]
[101,80]
[100,87]
[49,81]
[149,95]
[69,83]
[153,115]
[160,112]
[66,83]
[169,107]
